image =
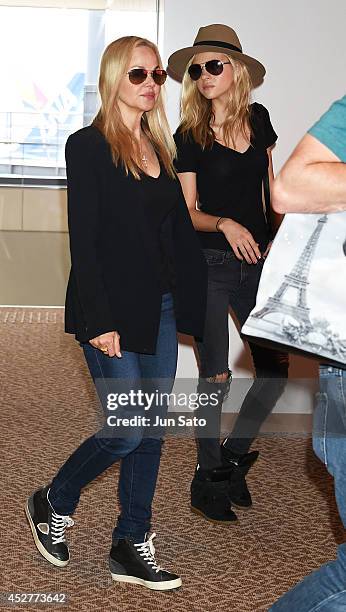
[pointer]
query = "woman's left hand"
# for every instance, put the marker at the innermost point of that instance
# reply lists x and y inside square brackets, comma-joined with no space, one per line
[266,252]
[108,343]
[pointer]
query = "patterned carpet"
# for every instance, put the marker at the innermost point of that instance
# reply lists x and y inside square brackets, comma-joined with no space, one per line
[48,408]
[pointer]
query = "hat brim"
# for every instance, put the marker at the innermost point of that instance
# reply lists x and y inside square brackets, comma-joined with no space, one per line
[178,61]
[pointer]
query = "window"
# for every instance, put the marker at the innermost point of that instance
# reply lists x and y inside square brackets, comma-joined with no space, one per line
[49,59]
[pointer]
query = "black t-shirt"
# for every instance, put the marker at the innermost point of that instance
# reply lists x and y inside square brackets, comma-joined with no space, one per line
[156,194]
[229,183]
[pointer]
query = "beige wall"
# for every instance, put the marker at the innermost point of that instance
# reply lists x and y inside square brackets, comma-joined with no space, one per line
[34,246]
[33,209]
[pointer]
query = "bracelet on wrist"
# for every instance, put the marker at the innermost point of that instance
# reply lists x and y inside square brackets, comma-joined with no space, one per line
[217,224]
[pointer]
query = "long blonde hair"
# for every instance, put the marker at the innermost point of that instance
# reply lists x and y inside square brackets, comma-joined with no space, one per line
[196,113]
[114,64]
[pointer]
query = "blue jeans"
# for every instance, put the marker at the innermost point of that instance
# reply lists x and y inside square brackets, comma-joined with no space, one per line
[139,453]
[325,589]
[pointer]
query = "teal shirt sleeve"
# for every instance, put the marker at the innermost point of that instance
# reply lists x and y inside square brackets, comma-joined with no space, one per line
[331,129]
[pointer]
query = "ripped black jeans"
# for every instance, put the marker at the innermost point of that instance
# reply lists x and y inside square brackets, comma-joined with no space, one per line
[233,283]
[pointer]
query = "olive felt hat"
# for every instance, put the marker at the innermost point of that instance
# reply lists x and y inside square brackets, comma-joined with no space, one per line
[220,38]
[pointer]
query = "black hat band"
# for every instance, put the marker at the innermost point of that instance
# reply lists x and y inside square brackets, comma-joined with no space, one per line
[217,43]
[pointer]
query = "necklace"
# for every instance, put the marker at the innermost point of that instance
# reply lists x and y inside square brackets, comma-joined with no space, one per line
[144,158]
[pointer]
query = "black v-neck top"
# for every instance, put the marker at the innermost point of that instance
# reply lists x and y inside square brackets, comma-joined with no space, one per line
[229,183]
[157,203]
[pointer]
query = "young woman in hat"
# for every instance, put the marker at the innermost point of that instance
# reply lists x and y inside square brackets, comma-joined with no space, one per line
[224,156]
[127,215]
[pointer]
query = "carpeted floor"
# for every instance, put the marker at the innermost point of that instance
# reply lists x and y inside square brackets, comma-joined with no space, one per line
[48,407]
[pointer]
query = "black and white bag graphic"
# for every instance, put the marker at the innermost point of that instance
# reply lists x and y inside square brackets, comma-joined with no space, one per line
[301,299]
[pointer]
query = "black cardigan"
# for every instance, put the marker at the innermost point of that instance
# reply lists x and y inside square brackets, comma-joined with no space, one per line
[113,283]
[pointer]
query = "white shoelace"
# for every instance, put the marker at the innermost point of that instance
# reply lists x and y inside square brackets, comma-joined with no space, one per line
[147,551]
[59,524]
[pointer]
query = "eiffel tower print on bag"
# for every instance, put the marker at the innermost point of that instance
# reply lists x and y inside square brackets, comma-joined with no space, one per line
[301,299]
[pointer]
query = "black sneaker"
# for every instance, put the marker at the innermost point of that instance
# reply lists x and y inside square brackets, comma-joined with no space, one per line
[48,528]
[135,563]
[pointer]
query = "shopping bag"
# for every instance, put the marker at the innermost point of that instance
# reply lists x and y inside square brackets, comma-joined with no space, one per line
[301,299]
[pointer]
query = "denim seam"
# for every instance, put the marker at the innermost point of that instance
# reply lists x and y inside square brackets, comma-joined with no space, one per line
[131,489]
[328,599]
[325,418]
[342,393]
[99,365]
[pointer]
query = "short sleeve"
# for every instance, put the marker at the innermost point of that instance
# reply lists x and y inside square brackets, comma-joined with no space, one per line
[330,130]
[188,153]
[265,134]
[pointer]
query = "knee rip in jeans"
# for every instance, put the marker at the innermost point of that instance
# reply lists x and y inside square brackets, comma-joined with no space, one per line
[220,378]
[224,380]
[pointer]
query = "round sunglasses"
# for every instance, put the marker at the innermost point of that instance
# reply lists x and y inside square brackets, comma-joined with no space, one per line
[214,67]
[139,75]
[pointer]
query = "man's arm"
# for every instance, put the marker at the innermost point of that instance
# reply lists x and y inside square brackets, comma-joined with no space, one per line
[313,180]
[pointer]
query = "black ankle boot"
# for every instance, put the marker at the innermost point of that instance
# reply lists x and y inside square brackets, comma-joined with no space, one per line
[210,495]
[240,465]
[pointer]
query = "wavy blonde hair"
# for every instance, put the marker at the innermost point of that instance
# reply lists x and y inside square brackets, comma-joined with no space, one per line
[114,65]
[196,113]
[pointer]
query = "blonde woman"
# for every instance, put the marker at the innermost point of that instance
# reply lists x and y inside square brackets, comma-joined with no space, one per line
[224,157]
[126,215]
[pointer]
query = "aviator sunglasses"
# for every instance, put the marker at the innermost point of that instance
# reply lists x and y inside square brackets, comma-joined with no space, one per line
[214,67]
[139,75]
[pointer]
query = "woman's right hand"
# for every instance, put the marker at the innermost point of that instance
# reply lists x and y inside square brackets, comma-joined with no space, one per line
[108,343]
[241,240]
